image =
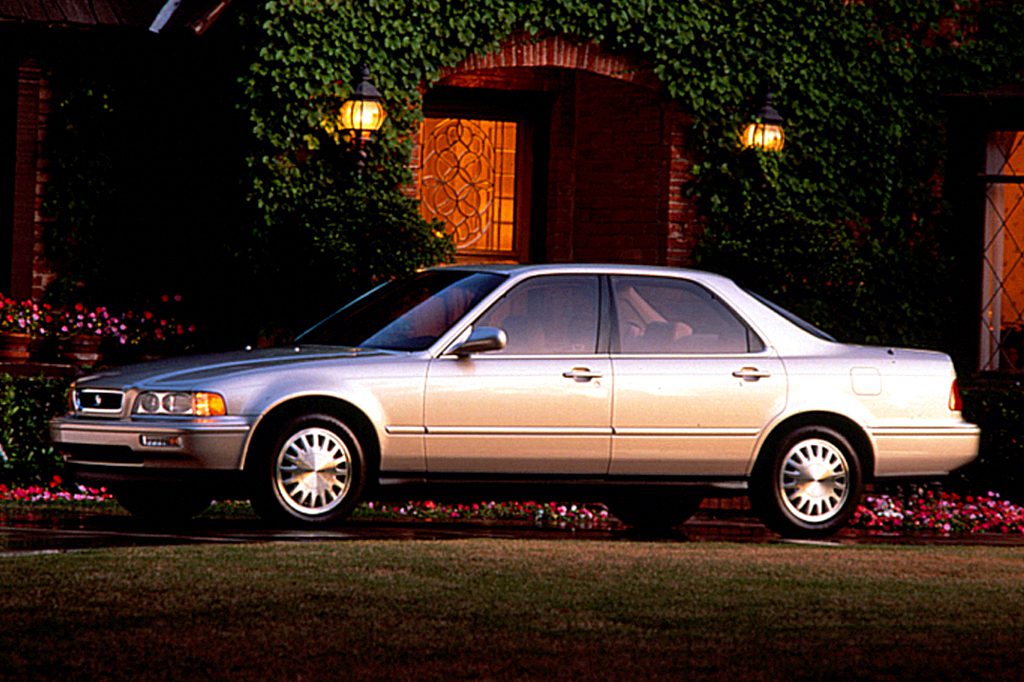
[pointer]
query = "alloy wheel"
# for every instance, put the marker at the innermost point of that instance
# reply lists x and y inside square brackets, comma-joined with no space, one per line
[814,480]
[312,471]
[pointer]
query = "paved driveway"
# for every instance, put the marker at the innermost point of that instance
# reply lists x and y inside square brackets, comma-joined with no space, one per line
[34,532]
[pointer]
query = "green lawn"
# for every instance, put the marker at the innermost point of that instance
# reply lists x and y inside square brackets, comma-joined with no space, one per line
[514,610]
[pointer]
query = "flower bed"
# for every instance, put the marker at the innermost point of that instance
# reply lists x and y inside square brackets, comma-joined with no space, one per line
[921,510]
[926,510]
[55,331]
[23,317]
[542,515]
[54,492]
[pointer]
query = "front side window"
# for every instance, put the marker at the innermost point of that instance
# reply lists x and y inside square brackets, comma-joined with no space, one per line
[657,315]
[407,314]
[553,315]
[1002,284]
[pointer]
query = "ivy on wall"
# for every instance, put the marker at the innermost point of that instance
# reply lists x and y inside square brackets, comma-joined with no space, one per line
[846,225]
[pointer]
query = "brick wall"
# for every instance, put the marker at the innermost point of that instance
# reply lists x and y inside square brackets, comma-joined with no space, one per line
[621,173]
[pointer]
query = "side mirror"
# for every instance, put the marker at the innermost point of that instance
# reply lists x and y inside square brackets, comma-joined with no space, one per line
[481,340]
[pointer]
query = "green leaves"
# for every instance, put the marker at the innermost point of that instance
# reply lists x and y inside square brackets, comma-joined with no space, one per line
[26,406]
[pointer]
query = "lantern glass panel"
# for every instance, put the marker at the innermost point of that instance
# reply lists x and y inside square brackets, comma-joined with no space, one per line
[362,116]
[766,136]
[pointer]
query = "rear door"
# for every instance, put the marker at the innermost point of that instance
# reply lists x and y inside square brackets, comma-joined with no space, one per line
[694,385]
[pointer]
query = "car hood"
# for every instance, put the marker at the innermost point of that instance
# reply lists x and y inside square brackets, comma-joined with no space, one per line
[199,368]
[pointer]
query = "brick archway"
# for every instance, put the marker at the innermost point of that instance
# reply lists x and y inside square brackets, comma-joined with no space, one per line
[520,50]
[613,177]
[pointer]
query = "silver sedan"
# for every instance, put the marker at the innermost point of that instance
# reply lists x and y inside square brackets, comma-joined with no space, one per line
[648,388]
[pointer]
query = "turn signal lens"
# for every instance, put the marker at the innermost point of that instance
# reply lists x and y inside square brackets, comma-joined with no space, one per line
[208,405]
[956,403]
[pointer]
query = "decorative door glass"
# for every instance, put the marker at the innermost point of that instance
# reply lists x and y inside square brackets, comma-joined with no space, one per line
[467,180]
[1002,286]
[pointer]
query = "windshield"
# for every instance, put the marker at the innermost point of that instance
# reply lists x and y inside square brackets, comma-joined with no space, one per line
[407,314]
[798,321]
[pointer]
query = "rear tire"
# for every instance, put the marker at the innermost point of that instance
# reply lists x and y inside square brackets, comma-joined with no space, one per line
[655,511]
[312,474]
[810,483]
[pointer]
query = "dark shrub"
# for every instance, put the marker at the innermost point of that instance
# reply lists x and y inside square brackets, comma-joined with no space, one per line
[997,406]
[26,406]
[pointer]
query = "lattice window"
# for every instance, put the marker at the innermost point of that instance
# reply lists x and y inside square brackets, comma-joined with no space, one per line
[467,179]
[1002,299]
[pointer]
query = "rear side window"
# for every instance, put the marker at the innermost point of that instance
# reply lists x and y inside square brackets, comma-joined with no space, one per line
[660,315]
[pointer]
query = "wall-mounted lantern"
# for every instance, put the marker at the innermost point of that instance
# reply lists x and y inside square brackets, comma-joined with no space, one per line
[359,117]
[765,131]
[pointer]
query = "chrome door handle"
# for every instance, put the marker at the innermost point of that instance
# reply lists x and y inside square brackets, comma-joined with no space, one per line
[581,374]
[751,374]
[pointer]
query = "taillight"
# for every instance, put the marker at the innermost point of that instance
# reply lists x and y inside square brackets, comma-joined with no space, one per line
[956,403]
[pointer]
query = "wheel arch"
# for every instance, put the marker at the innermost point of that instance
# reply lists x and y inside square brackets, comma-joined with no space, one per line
[848,428]
[270,423]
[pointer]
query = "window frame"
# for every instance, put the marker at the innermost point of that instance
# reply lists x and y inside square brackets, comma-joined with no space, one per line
[993,341]
[529,111]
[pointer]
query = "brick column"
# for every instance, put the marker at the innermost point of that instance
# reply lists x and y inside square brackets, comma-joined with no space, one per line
[29,271]
[684,224]
[25,163]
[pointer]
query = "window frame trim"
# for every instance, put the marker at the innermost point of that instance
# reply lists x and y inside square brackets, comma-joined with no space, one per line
[990,346]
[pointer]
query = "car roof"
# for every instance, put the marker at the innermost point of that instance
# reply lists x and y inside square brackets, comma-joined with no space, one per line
[585,268]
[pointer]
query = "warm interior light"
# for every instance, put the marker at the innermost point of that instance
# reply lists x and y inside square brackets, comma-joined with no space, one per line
[362,117]
[467,180]
[766,136]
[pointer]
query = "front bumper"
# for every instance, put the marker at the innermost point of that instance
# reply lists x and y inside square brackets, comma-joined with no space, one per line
[152,444]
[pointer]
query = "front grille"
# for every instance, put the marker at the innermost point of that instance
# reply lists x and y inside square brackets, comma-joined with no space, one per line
[99,401]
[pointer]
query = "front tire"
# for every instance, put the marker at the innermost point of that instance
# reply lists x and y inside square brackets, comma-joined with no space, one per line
[313,473]
[810,484]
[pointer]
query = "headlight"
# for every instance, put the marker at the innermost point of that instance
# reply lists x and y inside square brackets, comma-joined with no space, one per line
[198,404]
[176,403]
[148,402]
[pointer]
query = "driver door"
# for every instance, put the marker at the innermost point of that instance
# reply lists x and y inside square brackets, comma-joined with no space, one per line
[540,406]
